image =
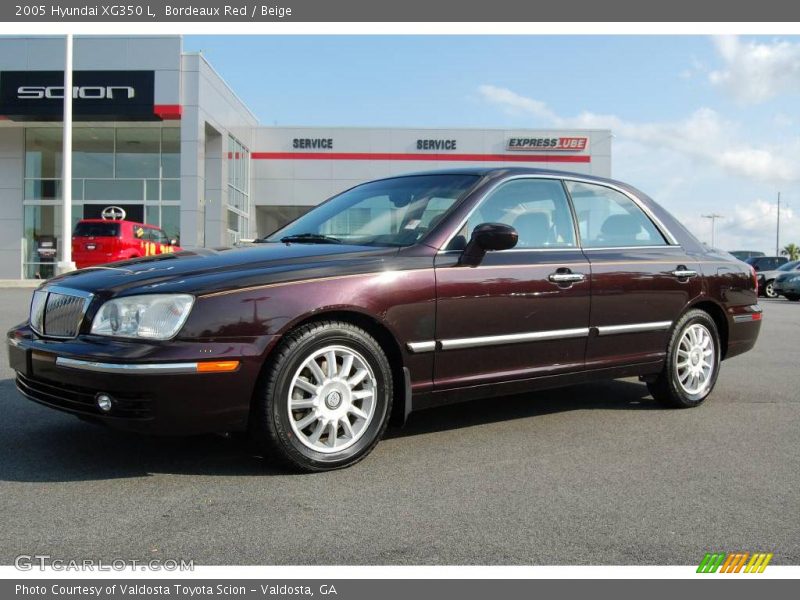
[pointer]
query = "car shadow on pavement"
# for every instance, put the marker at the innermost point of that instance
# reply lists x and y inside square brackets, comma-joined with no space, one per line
[38,444]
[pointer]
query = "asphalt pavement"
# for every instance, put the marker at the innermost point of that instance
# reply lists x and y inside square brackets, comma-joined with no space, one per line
[591,474]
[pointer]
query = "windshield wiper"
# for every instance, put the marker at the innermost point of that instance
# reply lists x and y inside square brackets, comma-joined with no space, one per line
[311,238]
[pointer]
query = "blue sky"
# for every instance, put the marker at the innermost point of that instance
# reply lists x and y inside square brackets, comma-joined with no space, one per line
[702,124]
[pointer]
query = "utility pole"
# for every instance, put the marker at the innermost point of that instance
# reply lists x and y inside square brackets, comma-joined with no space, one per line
[713,217]
[66,265]
[778,229]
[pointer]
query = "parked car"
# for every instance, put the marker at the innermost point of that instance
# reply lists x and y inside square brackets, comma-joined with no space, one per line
[766,263]
[766,278]
[391,297]
[787,284]
[745,254]
[109,239]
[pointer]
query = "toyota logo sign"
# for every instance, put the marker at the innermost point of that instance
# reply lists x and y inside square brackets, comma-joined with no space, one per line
[113,213]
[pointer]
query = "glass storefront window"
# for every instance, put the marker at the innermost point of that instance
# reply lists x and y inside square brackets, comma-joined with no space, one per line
[93,152]
[50,189]
[152,190]
[125,166]
[138,152]
[171,221]
[170,189]
[114,190]
[170,153]
[151,216]
[43,153]
[42,239]
[238,189]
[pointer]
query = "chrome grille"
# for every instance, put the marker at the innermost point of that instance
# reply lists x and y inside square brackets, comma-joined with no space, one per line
[37,311]
[56,312]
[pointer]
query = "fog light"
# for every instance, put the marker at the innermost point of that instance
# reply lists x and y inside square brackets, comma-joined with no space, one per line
[103,402]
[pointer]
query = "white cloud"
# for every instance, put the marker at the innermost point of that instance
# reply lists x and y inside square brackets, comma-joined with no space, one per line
[754,72]
[513,103]
[703,135]
[752,224]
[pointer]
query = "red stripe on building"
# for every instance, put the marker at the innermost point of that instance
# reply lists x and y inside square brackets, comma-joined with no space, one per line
[168,112]
[560,158]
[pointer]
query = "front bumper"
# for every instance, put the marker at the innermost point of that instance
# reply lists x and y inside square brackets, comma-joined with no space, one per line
[155,388]
[786,287]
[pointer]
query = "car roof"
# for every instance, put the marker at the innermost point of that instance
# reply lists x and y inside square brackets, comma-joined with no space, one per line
[501,171]
[115,221]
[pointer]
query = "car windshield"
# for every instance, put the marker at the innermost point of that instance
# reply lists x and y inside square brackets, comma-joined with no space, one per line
[389,212]
[84,229]
[789,266]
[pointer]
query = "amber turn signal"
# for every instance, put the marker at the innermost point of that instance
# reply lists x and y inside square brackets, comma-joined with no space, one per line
[222,366]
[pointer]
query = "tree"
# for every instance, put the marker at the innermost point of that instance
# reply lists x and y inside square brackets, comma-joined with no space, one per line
[792,251]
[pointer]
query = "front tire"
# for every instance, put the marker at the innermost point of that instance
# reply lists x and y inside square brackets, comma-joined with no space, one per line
[792,297]
[692,363]
[325,398]
[769,290]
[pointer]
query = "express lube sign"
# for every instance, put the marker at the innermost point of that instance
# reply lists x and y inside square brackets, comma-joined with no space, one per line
[547,144]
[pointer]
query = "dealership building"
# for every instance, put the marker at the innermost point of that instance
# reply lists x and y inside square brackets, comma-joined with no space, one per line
[160,134]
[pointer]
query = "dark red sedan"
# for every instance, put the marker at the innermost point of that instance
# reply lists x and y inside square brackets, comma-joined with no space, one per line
[394,296]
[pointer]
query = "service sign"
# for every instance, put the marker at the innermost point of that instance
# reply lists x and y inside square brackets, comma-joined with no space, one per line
[96,95]
[547,144]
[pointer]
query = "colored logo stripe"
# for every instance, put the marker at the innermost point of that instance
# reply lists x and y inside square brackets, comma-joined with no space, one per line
[733,562]
[711,562]
[420,156]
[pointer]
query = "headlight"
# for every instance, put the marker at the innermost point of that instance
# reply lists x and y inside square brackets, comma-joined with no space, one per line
[152,316]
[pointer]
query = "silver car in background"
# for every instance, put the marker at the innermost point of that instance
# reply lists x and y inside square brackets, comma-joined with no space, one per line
[766,279]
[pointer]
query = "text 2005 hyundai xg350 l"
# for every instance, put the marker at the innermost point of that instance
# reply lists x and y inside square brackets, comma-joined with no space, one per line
[396,295]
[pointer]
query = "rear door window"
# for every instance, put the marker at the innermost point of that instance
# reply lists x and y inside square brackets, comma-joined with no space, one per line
[608,218]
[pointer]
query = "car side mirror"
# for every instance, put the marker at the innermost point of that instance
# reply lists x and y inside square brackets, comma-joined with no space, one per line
[487,237]
[756,268]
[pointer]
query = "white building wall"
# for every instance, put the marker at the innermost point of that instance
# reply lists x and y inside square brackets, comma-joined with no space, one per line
[210,109]
[11,181]
[303,182]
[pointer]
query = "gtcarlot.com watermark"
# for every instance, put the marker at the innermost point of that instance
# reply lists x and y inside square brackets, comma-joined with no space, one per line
[45,562]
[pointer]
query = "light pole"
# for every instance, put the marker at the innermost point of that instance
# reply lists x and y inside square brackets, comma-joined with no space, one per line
[713,217]
[66,264]
[778,229]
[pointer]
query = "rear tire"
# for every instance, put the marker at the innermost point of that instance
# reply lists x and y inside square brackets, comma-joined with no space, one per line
[325,398]
[692,363]
[792,297]
[769,291]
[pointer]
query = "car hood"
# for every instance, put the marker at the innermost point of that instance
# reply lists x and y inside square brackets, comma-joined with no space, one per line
[785,275]
[203,271]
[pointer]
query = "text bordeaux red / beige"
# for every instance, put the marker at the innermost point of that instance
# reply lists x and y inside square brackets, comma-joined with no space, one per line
[137,10]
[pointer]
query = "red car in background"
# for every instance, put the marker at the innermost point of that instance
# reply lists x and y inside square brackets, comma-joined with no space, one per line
[99,241]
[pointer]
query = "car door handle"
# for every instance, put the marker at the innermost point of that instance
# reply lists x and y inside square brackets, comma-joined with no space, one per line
[682,271]
[566,277]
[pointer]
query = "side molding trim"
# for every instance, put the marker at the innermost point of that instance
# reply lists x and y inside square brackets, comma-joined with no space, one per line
[633,327]
[420,347]
[515,338]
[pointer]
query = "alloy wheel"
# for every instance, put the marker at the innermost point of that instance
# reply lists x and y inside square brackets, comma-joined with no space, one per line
[694,360]
[331,399]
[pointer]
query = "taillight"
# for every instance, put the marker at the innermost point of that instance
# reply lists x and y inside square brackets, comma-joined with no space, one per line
[755,279]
